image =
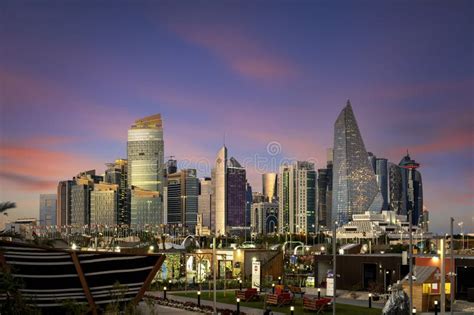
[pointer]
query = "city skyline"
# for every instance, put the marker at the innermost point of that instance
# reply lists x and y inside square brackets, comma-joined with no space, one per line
[67,101]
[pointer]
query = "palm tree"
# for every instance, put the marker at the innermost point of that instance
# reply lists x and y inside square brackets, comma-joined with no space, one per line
[4,206]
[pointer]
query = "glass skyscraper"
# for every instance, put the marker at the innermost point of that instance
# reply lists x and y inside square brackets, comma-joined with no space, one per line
[355,188]
[145,154]
[48,204]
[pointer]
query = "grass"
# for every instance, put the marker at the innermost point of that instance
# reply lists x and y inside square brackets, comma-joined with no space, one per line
[341,309]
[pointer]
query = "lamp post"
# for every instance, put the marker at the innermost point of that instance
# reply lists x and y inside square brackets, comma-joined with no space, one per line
[461,225]
[370,300]
[273,288]
[240,284]
[164,293]
[199,298]
[292,310]
[436,307]
[334,244]
[413,311]
[279,280]
[319,293]
[238,306]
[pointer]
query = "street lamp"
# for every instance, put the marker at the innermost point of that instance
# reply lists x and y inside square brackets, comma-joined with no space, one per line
[164,293]
[370,300]
[199,298]
[238,306]
[461,225]
[292,309]
[436,307]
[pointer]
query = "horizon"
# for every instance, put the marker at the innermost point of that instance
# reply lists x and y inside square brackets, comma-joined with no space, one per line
[266,80]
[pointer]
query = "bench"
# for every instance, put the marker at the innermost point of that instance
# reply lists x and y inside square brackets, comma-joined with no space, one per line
[284,298]
[246,295]
[296,290]
[312,303]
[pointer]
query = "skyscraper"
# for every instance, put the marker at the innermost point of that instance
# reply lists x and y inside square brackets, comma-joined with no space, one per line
[297,197]
[143,208]
[80,198]
[269,186]
[236,188]
[381,173]
[63,209]
[229,186]
[182,198]
[48,204]
[145,154]
[412,188]
[355,188]
[248,203]
[395,188]
[205,201]
[220,191]
[116,173]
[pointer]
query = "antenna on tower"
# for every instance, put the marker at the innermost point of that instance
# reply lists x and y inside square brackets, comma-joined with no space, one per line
[224,138]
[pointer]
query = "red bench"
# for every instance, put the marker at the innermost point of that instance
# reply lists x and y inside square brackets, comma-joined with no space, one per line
[312,303]
[283,298]
[247,294]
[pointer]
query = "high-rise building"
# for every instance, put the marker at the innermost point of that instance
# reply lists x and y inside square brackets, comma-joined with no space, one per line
[395,188]
[355,188]
[412,188]
[171,166]
[145,154]
[269,186]
[248,203]
[104,204]
[143,208]
[80,198]
[236,194]
[324,195]
[63,212]
[297,197]
[48,204]
[219,181]
[182,198]
[116,173]
[205,202]
[382,174]
[229,187]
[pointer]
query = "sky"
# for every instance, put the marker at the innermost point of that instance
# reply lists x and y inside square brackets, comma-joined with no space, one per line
[269,77]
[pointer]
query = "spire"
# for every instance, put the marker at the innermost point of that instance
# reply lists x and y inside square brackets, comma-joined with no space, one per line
[348,104]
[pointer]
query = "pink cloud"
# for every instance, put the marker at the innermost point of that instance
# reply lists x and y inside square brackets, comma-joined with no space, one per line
[245,55]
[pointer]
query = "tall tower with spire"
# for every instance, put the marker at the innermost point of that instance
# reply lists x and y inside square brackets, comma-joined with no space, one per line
[355,188]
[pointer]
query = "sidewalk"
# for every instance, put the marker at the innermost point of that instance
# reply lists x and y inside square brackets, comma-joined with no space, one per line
[247,310]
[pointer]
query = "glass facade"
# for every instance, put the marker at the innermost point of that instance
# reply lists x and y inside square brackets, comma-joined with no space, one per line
[145,154]
[355,188]
[48,205]
[236,194]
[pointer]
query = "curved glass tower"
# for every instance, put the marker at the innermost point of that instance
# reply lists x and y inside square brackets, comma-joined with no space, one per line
[355,188]
[145,154]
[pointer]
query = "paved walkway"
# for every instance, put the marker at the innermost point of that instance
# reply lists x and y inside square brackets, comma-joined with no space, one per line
[247,310]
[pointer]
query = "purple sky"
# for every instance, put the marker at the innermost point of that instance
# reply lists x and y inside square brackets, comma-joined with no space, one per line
[75,74]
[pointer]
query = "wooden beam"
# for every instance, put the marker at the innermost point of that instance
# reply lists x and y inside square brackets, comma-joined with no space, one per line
[85,287]
[148,280]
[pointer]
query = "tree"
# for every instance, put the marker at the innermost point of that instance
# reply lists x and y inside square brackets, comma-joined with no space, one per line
[4,206]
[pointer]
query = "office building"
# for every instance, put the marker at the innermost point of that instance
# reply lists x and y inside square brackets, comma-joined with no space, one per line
[80,198]
[48,206]
[182,198]
[116,173]
[297,197]
[248,204]
[143,208]
[104,202]
[412,188]
[63,212]
[355,188]
[205,202]
[145,154]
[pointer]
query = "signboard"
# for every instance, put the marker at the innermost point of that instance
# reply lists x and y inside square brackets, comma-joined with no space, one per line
[310,282]
[404,258]
[256,275]
[329,286]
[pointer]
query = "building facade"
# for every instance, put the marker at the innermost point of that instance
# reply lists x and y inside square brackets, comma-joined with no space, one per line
[48,206]
[80,198]
[117,173]
[182,198]
[264,217]
[104,204]
[205,202]
[145,154]
[63,212]
[297,197]
[143,208]
[219,181]
[269,186]
[355,188]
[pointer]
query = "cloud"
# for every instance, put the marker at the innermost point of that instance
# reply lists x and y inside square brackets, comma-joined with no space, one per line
[245,55]
[39,169]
